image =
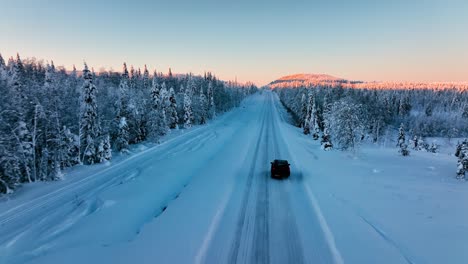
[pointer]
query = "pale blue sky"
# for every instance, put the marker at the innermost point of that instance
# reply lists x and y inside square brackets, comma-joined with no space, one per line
[253,40]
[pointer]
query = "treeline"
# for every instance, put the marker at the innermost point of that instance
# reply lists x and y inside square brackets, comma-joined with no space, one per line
[51,119]
[344,117]
[372,113]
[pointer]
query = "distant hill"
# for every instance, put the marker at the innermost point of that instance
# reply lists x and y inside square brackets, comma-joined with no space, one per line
[312,80]
[302,79]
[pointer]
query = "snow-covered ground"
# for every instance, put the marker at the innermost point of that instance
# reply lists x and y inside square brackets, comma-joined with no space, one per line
[205,196]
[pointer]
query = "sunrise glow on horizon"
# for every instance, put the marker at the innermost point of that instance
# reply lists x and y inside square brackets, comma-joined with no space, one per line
[258,42]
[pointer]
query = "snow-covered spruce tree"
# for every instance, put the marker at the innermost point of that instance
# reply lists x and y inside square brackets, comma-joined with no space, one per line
[188,112]
[89,123]
[326,140]
[204,105]
[39,141]
[52,131]
[313,123]
[9,171]
[146,79]
[72,148]
[104,151]
[403,148]
[164,103]
[107,148]
[462,154]
[422,145]
[303,110]
[132,78]
[100,152]
[405,105]
[156,117]
[122,112]
[210,98]
[414,143]
[3,69]
[173,119]
[306,121]
[24,152]
[343,121]
[191,86]
[121,142]
[418,143]
[465,112]
[2,62]
[433,148]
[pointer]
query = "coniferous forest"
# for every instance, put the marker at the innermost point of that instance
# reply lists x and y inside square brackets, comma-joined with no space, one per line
[343,117]
[52,118]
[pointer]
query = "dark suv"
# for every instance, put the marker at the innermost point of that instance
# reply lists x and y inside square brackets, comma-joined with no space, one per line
[280,169]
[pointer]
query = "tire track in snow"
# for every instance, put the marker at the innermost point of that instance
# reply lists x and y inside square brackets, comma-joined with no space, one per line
[242,221]
[261,235]
[289,227]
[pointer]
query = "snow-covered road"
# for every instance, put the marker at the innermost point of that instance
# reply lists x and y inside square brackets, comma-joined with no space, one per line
[260,223]
[205,196]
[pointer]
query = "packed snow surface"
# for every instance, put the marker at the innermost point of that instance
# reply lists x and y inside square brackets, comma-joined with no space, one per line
[205,196]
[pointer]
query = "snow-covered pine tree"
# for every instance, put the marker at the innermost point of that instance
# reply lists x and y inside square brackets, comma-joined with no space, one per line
[146,80]
[107,148]
[52,131]
[164,104]
[172,110]
[191,86]
[433,148]
[104,151]
[188,112]
[210,98]
[72,148]
[3,70]
[306,121]
[405,106]
[303,112]
[403,148]
[313,124]
[100,152]
[25,151]
[414,143]
[204,106]
[422,145]
[326,139]
[122,136]
[132,78]
[89,123]
[156,129]
[122,112]
[344,123]
[9,171]
[465,112]
[38,131]
[2,61]
[462,155]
